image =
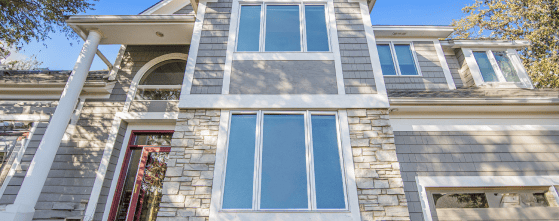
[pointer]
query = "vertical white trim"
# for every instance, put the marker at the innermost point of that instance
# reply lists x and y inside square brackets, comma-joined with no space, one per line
[495,66]
[519,67]
[118,61]
[17,160]
[74,120]
[335,47]
[472,64]
[193,52]
[219,175]
[102,171]
[444,65]
[424,199]
[353,201]
[373,52]
[231,45]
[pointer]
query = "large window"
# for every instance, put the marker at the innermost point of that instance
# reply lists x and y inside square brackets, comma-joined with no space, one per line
[283,161]
[398,59]
[496,66]
[282,28]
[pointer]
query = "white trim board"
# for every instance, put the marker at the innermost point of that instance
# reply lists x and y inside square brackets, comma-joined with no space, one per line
[424,182]
[193,51]
[373,51]
[444,65]
[25,117]
[475,127]
[284,56]
[283,101]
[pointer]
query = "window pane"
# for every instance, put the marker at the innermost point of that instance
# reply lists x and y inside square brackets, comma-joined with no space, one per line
[169,72]
[327,169]
[317,34]
[249,28]
[485,67]
[284,168]
[506,66]
[405,60]
[386,62]
[237,193]
[128,188]
[151,187]
[283,28]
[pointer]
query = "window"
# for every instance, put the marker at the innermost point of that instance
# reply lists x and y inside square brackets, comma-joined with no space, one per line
[496,66]
[280,161]
[398,59]
[163,81]
[282,27]
[138,192]
[13,137]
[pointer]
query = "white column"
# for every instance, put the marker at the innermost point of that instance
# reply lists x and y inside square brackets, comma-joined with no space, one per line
[23,208]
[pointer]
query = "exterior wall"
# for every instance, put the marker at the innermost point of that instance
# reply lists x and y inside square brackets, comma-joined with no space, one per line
[210,63]
[27,107]
[484,153]
[105,191]
[186,10]
[465,74]
[377,171]
[433,76]
[283,77]
[356,61]
[454,66]
[154,106]
[188,181]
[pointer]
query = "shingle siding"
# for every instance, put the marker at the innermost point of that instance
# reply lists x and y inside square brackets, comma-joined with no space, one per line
[354,50]
[283,77]
[464,71]
[186,10]
[432,78]
[483,153]
[454,65]
[210,62]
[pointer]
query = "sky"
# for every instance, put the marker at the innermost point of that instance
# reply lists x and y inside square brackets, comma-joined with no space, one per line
[60,53]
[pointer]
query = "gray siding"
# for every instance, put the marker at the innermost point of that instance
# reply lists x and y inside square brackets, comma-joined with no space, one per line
[186,10]
[465,73]
[483,153]
[454,66]
[208,73]
[154,106]
[100,209]
[283,77]
[135,57]
[72,175]
[356,61]
[28,107]
[433,76]
[15,183]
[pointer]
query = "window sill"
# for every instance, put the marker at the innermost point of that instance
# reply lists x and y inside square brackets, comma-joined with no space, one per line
[324,216]
[504,85]
[284,56]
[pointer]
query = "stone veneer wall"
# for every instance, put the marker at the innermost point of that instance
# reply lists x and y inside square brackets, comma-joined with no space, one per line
[188,180]
[377,172]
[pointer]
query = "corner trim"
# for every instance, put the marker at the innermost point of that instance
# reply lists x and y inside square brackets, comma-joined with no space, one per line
[193,52]
[444,65]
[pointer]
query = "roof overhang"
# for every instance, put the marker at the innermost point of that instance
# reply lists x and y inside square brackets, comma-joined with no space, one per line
[401,31]
[517,44]
[52,91]
[136,29]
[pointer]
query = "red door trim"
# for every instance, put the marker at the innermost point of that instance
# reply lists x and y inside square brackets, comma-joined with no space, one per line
[124,167]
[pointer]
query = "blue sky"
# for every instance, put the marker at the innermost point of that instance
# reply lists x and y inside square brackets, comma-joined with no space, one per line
[60,55]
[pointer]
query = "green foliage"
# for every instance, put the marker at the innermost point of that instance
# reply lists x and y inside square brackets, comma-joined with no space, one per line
[533,20]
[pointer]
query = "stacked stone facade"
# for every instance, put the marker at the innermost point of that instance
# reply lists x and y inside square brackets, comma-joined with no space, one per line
[377,171]
[188,180]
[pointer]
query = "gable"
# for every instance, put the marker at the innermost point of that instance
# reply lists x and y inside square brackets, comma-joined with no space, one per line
[166,7]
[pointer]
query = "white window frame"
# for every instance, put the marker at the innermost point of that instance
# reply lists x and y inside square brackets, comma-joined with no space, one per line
[495,65]
[395,57]
[302,25]
[424,182]
[257,175]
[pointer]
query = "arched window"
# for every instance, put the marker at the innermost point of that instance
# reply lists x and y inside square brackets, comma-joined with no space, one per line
[162,81]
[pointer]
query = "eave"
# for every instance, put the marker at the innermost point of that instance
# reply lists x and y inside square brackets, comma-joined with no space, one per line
[406,31]
[456,43]
[52,91]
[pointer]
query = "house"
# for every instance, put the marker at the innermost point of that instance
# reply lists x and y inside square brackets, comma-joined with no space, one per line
[278,110]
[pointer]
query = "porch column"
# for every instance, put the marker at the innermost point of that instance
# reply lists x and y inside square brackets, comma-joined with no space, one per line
[23,208]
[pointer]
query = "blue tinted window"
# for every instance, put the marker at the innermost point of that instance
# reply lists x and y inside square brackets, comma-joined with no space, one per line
[327,170]
[284,171]
[249,28]
[386,62]
[405,60]
[283,28]
[485,67]
[317,35]
[237,193]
